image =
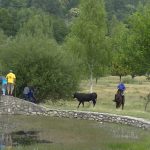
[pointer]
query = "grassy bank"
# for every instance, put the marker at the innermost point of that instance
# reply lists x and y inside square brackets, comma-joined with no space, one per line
[137,88]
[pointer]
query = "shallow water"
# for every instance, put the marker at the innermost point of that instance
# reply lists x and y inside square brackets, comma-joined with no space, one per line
[47,133]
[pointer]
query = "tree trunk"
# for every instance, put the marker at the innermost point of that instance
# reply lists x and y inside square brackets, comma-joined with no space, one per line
[91,82]
[132,76]
[91,78]
[120,77]
[146,104]
[96,80]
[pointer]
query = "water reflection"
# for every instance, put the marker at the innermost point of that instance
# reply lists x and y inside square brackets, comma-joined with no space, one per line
[5,141]
[20,138]
[38,132]
[10,136]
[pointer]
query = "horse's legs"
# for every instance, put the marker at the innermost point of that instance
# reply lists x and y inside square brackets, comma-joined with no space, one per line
[79,104]
[118,101]
[94,102]
[116,104]
[123,101]
[83,103]
[115,100]
[119,104]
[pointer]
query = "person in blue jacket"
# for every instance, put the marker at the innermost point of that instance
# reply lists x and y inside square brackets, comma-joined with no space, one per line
[31,95]
[4,84]
[121,88]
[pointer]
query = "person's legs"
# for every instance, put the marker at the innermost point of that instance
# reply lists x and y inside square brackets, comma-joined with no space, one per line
[34,99]
[8,88]
[4,89]
[25,96]
[123,101]
[11,88]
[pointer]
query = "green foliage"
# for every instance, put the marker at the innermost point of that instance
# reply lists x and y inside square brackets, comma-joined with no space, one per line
[92,41]
[70,3]
[41,64]
[8,21]
[122,8]
[129,80]
[60,30]
[51,6]
[3,38]
[31,21]
[118,36]
[139,41]
[11,20]
[37,25]
[88,35]
[13,3]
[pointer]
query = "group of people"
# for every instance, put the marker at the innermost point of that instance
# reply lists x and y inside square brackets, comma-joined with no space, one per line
[8,83]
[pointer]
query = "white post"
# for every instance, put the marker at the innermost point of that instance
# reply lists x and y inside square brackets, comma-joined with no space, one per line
[91,78]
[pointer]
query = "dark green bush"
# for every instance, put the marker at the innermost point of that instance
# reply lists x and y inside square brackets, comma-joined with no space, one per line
[40,63]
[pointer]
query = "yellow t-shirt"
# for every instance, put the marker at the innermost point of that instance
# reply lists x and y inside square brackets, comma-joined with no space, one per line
[10,77]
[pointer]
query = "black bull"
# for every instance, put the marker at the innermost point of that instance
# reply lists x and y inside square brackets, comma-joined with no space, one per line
[85,97]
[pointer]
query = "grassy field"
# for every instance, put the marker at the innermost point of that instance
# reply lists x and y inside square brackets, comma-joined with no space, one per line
[106,88]
[48,133]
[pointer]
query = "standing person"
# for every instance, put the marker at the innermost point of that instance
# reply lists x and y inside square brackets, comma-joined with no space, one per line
[11,79]
[4,84]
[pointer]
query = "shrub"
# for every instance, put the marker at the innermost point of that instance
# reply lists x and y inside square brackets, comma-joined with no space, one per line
[41,64]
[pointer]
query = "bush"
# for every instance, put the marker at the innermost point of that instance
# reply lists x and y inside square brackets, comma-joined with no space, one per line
[43,65]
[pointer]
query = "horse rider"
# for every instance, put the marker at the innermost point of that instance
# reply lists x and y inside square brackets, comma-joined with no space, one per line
[121,88]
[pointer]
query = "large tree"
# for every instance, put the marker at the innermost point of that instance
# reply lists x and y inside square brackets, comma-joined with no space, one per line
[88,37]
[139,41]
[118,34]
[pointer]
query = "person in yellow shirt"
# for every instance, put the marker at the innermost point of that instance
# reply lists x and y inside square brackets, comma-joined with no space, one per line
[11,79]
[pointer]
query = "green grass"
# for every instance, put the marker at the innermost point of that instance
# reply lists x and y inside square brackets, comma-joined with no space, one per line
[106,89]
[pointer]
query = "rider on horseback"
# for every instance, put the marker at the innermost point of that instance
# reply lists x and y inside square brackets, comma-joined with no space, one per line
[121,88]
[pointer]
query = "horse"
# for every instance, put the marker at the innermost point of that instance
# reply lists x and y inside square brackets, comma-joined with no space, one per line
[119,99]
[85,97]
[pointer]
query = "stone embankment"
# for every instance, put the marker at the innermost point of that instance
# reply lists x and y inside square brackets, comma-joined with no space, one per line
[15,106]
